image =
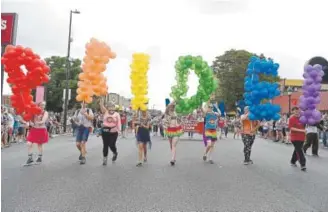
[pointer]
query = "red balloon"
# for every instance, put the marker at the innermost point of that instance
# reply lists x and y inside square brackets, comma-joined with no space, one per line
[21,83]
[19,49]
[28,52]
[46,69]
[27,117]
[15,89]
[10,81]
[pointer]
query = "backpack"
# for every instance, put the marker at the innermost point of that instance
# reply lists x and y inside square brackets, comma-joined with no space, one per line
[78,111]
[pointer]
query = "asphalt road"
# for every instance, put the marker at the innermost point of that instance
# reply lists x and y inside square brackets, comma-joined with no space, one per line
[61,184]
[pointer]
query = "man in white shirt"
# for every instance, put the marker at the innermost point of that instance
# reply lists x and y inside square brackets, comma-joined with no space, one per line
[312,138]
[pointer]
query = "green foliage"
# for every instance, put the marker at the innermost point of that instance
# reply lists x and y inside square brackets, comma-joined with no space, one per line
[230,69]
[54,89]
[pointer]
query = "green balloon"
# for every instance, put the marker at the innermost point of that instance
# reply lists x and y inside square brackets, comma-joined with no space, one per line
[207,83]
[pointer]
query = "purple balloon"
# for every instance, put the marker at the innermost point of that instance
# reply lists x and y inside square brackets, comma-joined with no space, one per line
[311,106]
[308,81]
[310,100]
[308,68]
[317,100]
[317,67]
[311,89]
[311,121]
[315,94]
[314,74]
[305,93]
[303,106]
[303,120]
[317,87]
[305,75]
[308,113]
[316,115]
[321,73]
[318,79]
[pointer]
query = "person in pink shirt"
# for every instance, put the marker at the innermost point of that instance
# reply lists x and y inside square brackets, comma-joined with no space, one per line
[110,130]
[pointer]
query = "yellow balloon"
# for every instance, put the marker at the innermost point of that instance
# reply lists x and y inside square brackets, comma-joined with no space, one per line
[143,107]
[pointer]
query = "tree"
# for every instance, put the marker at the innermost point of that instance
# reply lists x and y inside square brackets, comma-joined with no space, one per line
[54,89]
[230,69]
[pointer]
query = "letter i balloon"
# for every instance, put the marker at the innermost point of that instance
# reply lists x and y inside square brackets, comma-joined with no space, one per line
[92,80]
[311,94]
[139,81]
[22,84]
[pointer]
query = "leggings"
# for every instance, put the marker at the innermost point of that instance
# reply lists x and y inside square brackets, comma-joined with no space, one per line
[109,140]
[248,141]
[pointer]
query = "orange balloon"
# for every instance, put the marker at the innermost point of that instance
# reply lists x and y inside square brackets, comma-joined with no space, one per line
[112,55]
[79,90]
[82,76]
[92,76]
[79,98]
[88,100]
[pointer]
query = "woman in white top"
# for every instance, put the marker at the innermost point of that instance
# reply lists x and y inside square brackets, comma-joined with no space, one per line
[38,134]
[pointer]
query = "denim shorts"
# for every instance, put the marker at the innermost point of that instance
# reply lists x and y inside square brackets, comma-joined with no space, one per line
[82,134]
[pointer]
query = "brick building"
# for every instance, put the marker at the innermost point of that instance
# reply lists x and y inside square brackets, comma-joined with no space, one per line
[294,87]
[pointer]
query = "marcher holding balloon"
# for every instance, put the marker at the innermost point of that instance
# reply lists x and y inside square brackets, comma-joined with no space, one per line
[21,85]
[249,129]
[38,134]
[210,133]
[110,130]
[173,129]
[297,137]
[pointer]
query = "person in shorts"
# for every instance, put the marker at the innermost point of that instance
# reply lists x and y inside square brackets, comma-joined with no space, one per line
[83,119]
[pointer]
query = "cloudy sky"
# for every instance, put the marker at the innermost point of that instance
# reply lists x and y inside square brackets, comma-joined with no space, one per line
[290,31]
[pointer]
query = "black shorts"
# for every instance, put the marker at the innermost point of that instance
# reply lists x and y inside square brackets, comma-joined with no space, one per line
[20,131]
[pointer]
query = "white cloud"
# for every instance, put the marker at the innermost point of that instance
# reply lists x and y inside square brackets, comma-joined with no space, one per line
[289,31]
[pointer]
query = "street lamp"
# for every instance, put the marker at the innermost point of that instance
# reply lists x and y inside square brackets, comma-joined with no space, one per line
[289,92]
[68,63]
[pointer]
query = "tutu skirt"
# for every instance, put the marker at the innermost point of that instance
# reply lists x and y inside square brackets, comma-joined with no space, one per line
[211,135]
[38,136]
[174,132]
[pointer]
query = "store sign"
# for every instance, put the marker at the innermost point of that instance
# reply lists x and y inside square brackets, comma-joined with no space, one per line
[8,28]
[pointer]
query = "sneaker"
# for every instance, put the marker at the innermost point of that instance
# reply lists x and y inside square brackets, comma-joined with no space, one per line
[315,155]
[83,160]
[293,164]
[104,161]
[211,161]
[172,162]
[29,160]
[303,168]
[80,157]
[204,158]
[39,160]
[251,162]
[246,162]
[114,157]
[139,164]
[145,160]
